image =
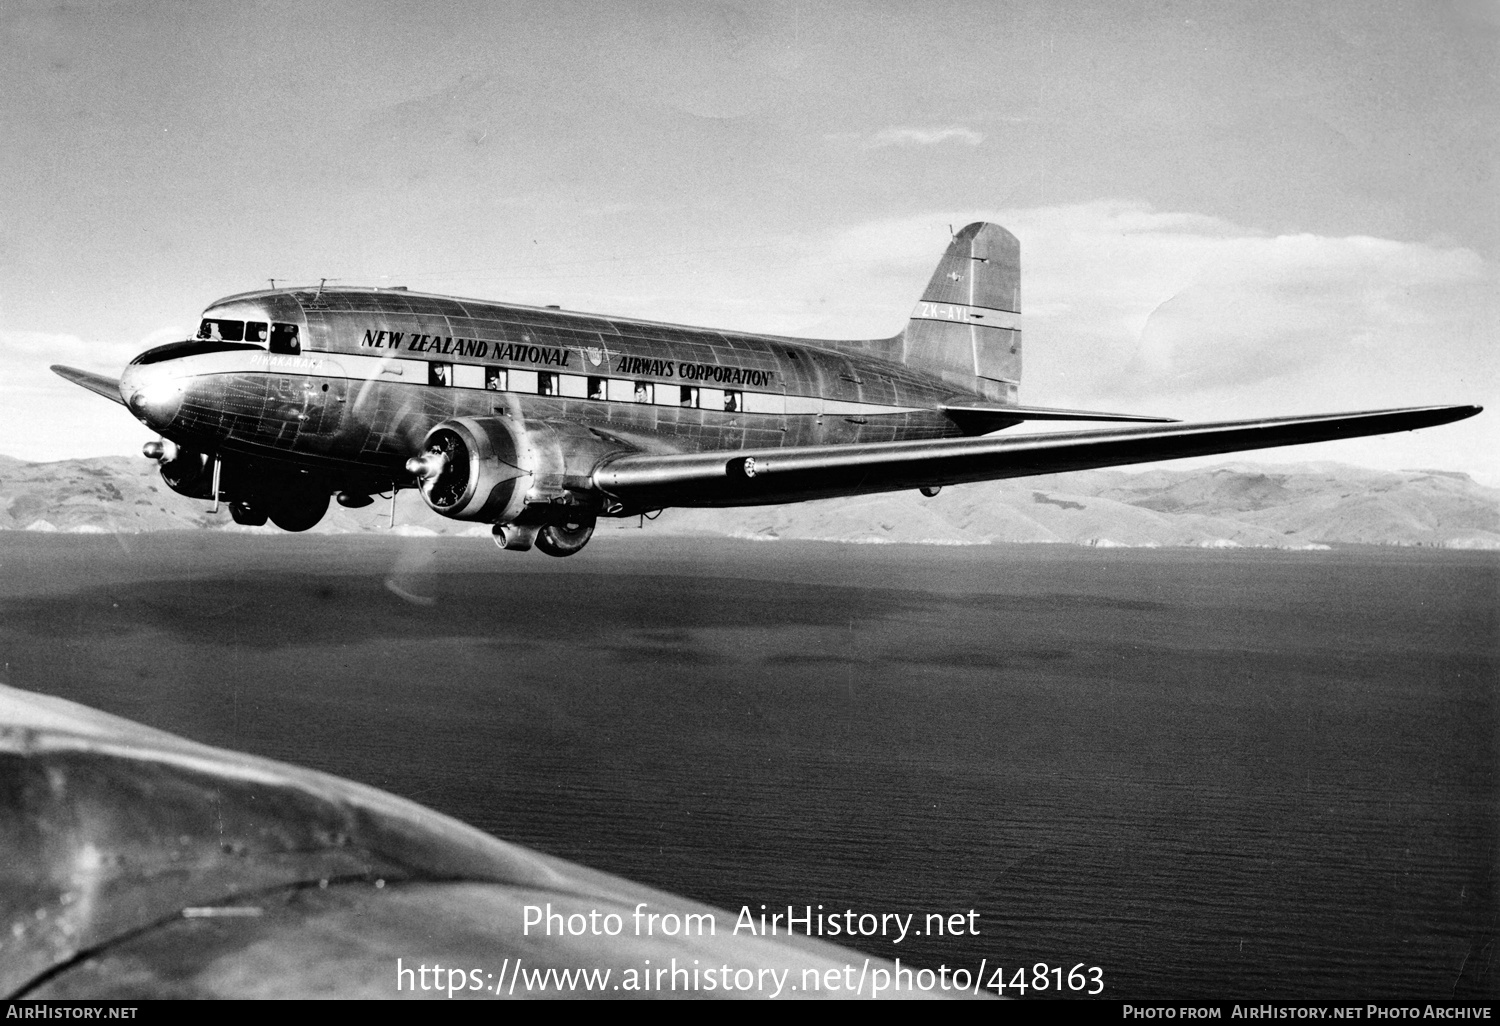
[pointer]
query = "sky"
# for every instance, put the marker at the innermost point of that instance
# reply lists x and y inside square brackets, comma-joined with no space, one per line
[1226,209]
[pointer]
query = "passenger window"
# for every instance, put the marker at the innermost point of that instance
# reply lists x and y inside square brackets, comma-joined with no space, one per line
[546,383]
[732,401]
[644,391]
[494,379]
[596,388]
[440,374]
[689,395]
[255,331]
[222,331]
[284,339]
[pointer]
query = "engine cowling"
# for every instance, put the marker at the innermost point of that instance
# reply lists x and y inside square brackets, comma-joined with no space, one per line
[482,468]
[185,471]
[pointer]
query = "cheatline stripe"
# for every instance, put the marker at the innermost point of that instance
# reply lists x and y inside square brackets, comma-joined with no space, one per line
[356,367]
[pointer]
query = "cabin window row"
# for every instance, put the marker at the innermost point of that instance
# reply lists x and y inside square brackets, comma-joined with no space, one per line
[577,386]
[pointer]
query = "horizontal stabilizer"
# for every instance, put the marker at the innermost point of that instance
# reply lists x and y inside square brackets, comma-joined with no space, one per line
[750,477]
[107,387]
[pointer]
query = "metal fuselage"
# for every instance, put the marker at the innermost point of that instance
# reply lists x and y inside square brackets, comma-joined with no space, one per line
[360,376]
[540,421]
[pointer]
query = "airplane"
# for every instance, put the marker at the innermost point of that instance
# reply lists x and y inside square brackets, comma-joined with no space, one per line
[539,421]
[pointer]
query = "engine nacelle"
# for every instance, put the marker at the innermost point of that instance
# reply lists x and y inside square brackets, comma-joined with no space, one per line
[483,468]
[185,472]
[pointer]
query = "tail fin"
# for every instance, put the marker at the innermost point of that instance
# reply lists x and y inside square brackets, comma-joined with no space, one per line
[967,327]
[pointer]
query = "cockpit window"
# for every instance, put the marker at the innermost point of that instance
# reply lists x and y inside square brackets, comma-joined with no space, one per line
[284,339]
[255,331]
[222,331]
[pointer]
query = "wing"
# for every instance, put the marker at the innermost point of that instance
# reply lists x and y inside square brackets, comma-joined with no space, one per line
[981,417]
[107,387]
[754,476]
[135,864]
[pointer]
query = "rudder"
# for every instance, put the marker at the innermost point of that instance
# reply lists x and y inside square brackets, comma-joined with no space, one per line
[966,329]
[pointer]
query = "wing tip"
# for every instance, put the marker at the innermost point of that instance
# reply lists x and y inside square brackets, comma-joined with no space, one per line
[1449,414]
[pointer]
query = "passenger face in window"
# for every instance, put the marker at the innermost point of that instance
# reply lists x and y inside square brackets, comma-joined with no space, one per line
[221,331]
[284,339]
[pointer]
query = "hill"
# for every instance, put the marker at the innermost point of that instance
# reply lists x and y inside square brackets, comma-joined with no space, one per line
[1235,504]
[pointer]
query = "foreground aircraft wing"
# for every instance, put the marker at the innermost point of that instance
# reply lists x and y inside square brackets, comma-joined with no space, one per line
[107,387]
[137,864]
[754,476]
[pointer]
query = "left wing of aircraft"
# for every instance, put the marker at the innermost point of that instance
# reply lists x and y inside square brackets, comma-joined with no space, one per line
[751,476]
[137,864]
[105,386]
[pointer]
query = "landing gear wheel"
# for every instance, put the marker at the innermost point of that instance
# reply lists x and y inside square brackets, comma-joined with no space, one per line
[301,512]
[565,539]
[250,516]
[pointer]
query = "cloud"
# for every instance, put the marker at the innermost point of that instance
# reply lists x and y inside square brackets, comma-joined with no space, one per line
[1129,307]
[43,417]
[1171,304]
[28,356]
[910,137]
[1160,301]
[23,351]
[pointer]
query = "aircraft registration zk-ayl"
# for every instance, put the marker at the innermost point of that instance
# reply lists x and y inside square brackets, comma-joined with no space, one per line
[540,421]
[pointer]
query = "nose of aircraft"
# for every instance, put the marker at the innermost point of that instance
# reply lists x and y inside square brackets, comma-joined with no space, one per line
[152,392]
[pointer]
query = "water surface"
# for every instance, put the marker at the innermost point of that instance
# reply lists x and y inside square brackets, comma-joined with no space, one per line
[1214,774]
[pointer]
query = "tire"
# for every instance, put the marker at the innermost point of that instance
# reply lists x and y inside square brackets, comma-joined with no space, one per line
[301,512]
[250,516]
[565,539]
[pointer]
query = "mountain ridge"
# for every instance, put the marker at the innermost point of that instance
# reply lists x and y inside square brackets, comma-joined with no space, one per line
[1227,505]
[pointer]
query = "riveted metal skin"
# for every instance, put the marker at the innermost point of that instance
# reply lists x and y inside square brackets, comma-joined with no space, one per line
[359,398]
[142,865]
[521,415]
[706,479]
